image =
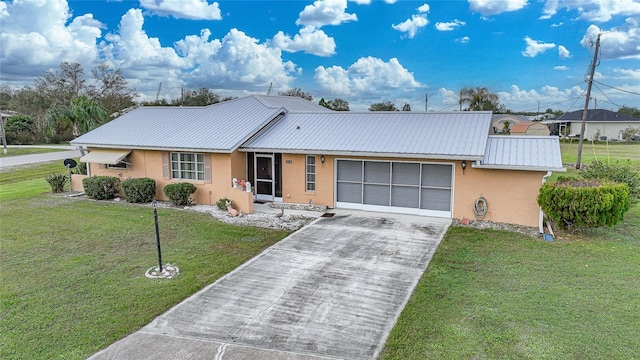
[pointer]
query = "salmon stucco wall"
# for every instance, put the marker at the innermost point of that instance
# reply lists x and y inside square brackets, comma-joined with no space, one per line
[511,195]
[294,180]
[148,163]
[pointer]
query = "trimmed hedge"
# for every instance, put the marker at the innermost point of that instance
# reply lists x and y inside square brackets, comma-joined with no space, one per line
[101,187]
[140,190]
[57,182]
[180,193]
[222,204]
[577,203]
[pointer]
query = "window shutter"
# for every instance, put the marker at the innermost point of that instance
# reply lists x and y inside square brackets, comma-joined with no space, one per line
[166,174]
[207,168]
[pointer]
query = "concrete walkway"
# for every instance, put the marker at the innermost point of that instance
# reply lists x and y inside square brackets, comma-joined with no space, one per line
[38,158]
[332,290]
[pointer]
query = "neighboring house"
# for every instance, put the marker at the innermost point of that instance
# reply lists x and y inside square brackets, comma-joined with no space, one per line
[600,124]
[294,151]
[530,128]
[498,122]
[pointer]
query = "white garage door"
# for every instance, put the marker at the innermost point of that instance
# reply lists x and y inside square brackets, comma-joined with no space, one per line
[389,186]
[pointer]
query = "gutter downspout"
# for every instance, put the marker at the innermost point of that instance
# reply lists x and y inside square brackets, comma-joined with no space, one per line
[541,219]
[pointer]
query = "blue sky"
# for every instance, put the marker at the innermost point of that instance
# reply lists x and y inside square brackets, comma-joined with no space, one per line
[530,52]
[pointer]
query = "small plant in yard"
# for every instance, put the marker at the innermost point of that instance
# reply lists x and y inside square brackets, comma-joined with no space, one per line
[180,193]
[101,187]
[222,203]
[57,182]
[578,203]
[140,190]
[618,172]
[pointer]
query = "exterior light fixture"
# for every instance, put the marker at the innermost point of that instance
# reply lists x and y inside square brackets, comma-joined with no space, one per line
[322,159]
[463,165]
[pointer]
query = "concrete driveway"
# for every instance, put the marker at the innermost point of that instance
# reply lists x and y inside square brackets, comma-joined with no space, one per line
[333,289]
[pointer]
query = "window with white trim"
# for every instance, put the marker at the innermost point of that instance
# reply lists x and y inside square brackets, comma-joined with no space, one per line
[311,173]
[187,166]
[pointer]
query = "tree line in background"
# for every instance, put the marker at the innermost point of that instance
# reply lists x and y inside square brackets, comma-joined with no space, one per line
[66,103]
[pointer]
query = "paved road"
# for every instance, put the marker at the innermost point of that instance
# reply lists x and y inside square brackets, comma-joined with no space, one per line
[37,158]
[332,290]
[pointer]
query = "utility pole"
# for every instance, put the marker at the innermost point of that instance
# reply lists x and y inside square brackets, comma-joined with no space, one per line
[426,102]
[586,102]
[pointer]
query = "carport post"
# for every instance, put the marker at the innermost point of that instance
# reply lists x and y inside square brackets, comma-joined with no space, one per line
[155,216]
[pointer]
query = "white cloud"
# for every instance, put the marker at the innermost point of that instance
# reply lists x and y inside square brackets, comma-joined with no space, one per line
[361,2]
[367,76]
[448,97]
[494,7]
[546,97]
[424,8]
[463,40]
[560,68]
[535,47]
[236,62]
[593,10]
[390,1]
[183,9]
[325,12]
[633,74]
[618,43]
[413,25]
[37,36]
[310,40]
[563,52]
[448,26]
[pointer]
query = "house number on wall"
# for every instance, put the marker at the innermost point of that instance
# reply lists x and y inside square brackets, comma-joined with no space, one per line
[289,161]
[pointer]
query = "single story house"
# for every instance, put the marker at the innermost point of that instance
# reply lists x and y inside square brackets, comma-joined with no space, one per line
[293,151]
[530,128]
[600,124]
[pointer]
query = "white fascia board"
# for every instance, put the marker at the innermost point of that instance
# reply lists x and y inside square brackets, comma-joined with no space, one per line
[517,167]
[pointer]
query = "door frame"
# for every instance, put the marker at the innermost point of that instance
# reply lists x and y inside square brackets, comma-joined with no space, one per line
[273,180]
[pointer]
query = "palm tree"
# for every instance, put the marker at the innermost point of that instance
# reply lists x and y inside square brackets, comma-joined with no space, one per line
[82,114]
[479,99]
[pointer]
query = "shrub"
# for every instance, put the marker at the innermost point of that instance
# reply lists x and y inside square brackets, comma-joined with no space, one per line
[101,187]
[180,193]
[57,182]
[142,190]
[222,204]
[580,203]
[618,172]
[81,169]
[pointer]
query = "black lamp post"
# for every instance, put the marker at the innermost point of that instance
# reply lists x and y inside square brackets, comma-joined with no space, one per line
[155,216]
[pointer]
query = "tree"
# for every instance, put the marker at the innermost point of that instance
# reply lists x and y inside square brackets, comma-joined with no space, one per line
[82,115]
[383,106]
[335,104]
[631,111]
[477,99]
[297,92]
[111,89]
[200,97]
[5,96]
[19,129]
[406,107]
[62,85]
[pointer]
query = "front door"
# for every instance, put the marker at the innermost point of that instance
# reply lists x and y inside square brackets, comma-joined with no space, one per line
[264,170]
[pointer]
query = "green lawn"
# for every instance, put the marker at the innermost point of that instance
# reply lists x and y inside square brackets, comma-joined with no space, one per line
[601,151]
[72,271]
[499,295]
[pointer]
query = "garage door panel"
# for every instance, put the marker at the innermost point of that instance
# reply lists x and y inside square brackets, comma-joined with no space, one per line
[377,172]
[405,196]
[349,192]
[436,199]
[349,170]
[436,175]
[376,194]
[406,174]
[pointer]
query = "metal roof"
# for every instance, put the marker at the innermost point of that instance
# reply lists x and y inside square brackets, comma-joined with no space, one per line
[221,127]
[595,115]
[523,153]
[291,103]
[436,135]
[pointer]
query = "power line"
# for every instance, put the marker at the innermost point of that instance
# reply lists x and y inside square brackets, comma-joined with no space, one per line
[605,95]
[615,88]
